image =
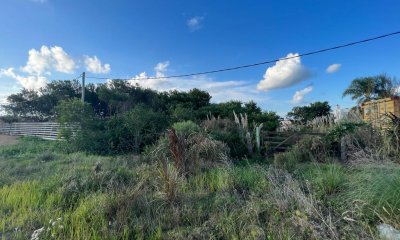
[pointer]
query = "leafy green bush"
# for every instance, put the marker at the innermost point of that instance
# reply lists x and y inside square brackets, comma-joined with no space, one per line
[129,132]
[186,128]
[135,129]
[342,129]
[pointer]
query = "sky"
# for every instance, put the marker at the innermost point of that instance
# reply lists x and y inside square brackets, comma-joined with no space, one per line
[45,40]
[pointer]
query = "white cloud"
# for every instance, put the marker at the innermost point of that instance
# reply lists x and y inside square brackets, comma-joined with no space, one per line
[298,96]
[284,73]
[93,65]
[194,23]
[28,82]
[48,59]
[333,68]
[161,68]
[158,83]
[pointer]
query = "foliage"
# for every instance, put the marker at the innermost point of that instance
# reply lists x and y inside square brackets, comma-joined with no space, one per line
[327,179]
[124,198]
[308,113]
[40,105]
[342,129]
[309,148]
[112,114]
[186,128]
[135,129]
[227,131]
[80,128]
[368,88]
[190,153]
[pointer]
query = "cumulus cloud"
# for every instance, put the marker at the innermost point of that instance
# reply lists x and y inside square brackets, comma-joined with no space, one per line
[298,96]
[194,23]
[156,82]
[93,65]
[333,68]
[284,73]
[161,68]
[28,82]
[48,59]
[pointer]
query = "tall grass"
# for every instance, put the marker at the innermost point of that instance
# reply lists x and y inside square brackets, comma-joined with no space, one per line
[80,196]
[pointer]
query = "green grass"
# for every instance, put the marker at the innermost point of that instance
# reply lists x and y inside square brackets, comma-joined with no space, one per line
[80,196]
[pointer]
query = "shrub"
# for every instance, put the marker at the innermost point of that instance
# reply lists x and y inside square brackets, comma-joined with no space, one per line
[135,129]
[342,129]
[194,153]
[185,128]
[47,156]
[285,160]
[313,148]
[226,130]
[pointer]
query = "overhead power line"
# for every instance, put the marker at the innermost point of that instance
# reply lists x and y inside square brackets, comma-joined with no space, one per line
[259,63]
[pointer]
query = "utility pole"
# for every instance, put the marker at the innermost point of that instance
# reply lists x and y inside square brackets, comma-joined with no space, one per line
[83,87]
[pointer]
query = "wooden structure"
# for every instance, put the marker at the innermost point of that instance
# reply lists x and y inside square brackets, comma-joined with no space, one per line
[45,130]
[282,141]
[376,111]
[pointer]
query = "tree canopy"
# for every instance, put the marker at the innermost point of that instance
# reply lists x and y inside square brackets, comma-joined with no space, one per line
[117,97]
[367,88]
[307,113]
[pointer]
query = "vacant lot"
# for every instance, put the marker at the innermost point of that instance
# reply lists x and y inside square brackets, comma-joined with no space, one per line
[64,195]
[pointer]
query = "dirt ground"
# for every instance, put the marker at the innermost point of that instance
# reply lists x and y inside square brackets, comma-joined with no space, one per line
[8,140]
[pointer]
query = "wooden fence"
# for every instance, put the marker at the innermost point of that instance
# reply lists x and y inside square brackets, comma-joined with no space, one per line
[45,130]
[282,141]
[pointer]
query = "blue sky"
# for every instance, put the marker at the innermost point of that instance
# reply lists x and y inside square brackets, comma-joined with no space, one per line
[43,40]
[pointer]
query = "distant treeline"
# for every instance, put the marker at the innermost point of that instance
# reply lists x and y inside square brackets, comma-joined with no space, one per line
[117,97]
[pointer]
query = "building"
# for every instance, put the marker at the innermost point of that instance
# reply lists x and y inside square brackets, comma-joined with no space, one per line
[375,111]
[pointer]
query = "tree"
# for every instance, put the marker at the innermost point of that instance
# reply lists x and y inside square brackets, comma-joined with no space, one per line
[270,120]
[39,105]
[135,129]
[74,116]
[308,113]
[367,88]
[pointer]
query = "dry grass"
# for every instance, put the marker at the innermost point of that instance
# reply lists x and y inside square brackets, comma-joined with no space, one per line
[288,195]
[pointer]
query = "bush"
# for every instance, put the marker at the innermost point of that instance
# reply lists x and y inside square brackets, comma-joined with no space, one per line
[47,156]
[186,128]
[309,148]
[190,154]
[285,160]
[135,129]
[226,130]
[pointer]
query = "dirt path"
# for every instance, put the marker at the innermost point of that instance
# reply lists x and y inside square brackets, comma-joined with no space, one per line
[8,140]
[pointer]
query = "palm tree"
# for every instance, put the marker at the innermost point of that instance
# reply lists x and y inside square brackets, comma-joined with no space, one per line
[384,86]
[368,88]
[361,89]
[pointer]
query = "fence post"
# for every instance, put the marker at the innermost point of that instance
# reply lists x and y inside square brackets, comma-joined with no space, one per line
[343,149]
